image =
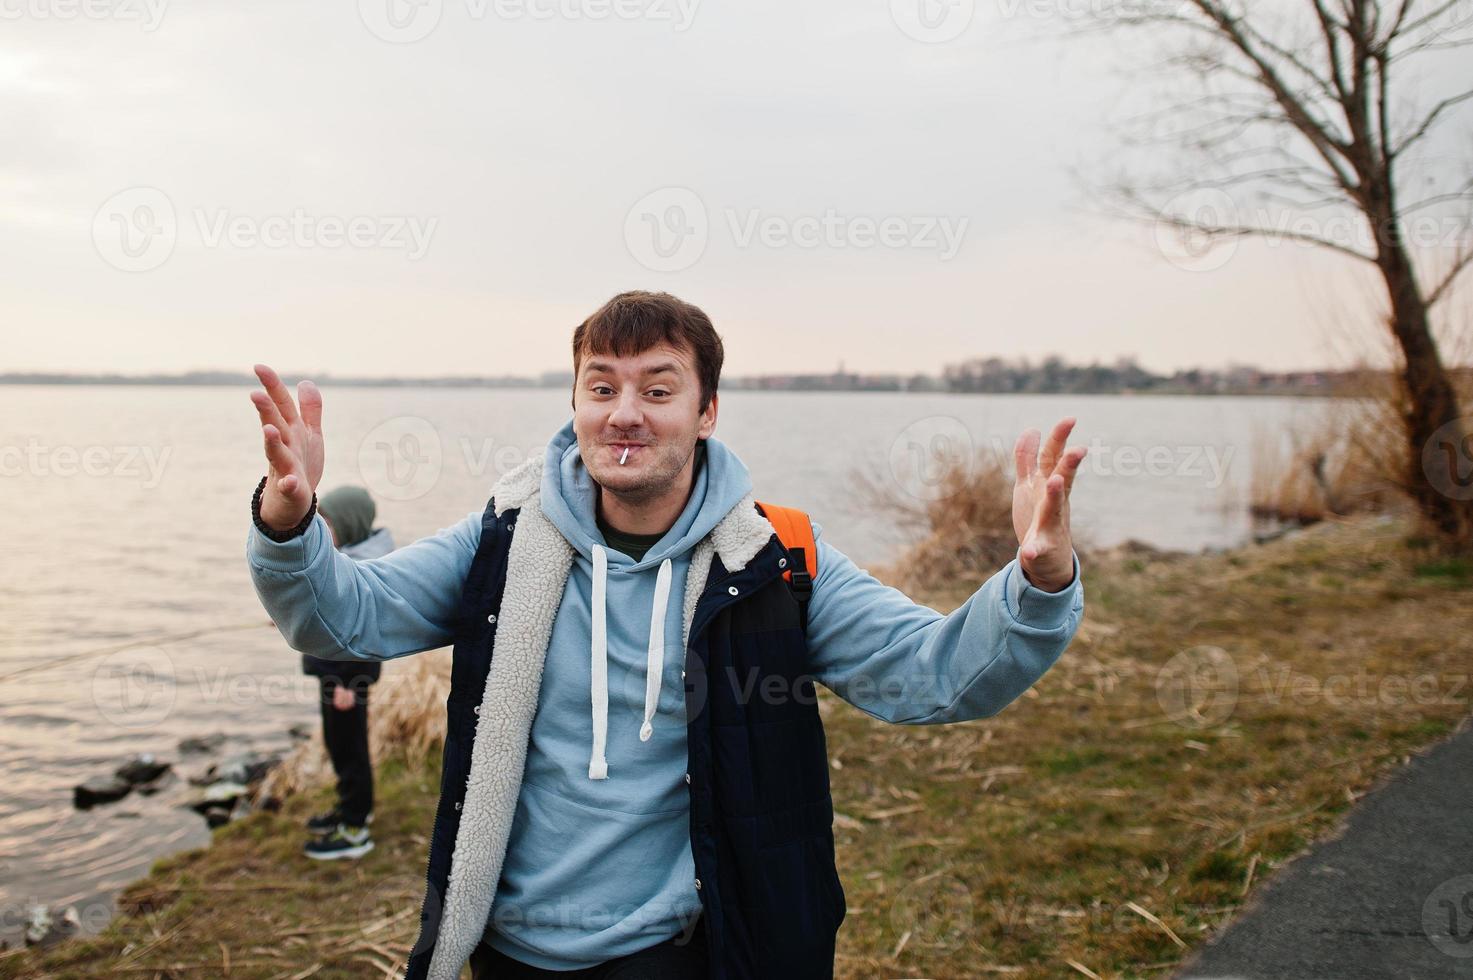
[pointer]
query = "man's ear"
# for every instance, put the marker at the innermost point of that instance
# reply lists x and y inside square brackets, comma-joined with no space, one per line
[708,420]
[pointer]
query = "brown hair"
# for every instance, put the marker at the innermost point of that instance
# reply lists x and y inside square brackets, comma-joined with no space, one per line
[636,321]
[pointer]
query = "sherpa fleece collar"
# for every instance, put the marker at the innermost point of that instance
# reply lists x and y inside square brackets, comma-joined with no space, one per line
[537,572]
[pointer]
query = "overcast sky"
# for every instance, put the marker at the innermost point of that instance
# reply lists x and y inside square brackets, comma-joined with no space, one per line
[378,187]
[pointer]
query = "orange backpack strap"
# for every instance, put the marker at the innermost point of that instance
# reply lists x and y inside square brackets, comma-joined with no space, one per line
[795,531]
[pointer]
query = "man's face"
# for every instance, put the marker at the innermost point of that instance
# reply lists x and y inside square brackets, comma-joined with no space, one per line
[648,403]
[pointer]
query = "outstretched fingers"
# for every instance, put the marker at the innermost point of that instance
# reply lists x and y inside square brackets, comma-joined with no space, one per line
[1025,455]
[281,458]
[1054,447]
[1050,514]
[1069,466]
[266,409]
[282,398]
[311,401]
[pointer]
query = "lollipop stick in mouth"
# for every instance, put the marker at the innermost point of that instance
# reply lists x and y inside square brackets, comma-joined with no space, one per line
[625,456]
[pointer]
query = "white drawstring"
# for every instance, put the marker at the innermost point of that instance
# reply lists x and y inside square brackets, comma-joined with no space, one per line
[654,668]
[598,764]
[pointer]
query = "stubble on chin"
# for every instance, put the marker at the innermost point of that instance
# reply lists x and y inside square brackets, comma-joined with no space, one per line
[651,487]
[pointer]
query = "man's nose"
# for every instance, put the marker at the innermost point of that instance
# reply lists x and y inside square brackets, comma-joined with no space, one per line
[626,412]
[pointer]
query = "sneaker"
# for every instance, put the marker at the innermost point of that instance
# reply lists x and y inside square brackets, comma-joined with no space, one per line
[343,842]
[326,823]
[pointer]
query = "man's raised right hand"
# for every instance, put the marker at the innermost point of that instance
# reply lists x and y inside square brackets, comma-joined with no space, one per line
[293,448]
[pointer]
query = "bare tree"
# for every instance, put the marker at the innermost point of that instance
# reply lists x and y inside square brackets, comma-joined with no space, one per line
[1312,107]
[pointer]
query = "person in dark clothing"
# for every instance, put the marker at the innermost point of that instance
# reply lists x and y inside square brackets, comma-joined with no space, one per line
[343,830]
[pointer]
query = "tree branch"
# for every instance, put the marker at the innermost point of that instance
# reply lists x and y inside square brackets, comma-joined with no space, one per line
[1428,121]
[1254,231]
[1459,264]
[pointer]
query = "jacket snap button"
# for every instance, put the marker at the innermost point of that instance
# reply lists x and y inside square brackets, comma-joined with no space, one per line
[491,618]
[687,779]
[732,589]
[782,563]
[477,709]
[698,884]
[511,526]
[457,804]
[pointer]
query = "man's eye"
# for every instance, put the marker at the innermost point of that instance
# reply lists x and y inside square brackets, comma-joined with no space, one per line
[602,390]
[659,391]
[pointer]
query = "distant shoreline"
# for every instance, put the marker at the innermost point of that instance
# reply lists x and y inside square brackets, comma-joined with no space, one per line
[1314,385]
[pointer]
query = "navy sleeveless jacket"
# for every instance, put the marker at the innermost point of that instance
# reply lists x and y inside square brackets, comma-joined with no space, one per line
[761,813]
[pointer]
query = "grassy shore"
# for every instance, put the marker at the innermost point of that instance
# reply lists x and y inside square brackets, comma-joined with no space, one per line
[1215,715]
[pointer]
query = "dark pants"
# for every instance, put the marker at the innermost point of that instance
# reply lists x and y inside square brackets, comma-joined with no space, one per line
[346,735]
[681,957]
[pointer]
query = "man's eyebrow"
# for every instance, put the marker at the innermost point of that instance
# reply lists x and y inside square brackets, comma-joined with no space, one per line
[667,366]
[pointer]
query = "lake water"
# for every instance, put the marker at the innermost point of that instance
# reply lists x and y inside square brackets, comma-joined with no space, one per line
[126,511]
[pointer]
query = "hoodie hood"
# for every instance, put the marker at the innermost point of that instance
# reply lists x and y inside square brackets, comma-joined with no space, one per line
[569,499]
[350,510]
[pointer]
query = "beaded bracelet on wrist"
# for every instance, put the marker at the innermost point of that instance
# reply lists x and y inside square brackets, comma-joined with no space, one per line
[271,532]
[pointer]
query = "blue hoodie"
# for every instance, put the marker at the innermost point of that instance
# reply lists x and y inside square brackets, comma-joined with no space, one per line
[599,863]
